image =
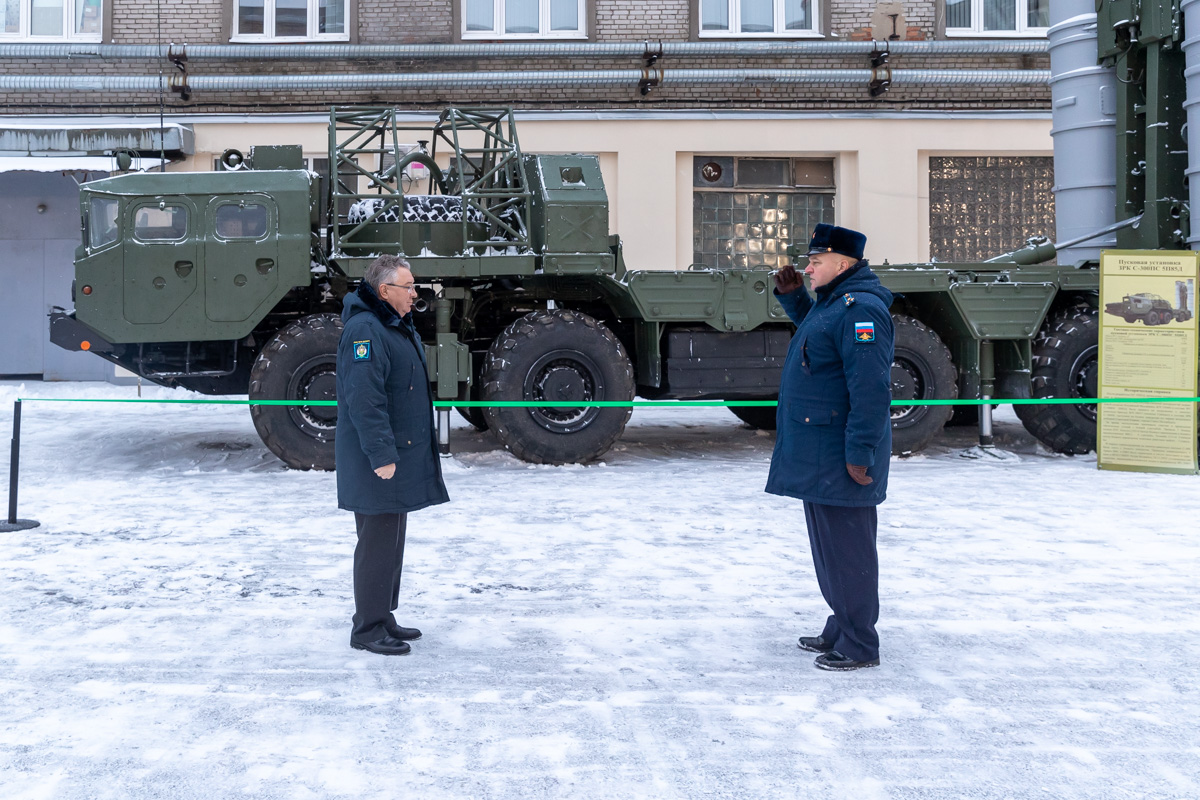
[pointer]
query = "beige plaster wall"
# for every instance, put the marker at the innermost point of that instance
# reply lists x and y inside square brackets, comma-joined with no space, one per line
[882,166]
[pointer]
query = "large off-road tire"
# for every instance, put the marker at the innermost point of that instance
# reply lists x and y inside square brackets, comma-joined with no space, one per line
[557,355]
[299,363]
[759,417]
[921,370]
[1065,365]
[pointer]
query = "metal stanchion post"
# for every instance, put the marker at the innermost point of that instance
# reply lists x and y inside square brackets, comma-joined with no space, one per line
[14,464]
[987,375]
[443,426]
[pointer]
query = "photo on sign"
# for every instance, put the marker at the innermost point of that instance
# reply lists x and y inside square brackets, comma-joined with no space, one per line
[1149,300]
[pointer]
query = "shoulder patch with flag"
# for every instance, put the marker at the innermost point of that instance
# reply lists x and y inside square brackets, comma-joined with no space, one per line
[362,350]
[864,332]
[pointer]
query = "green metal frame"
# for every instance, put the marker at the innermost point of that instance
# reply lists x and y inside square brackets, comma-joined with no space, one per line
[488,176]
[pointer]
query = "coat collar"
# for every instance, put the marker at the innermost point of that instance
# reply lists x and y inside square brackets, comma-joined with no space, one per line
[838,280]
[375,305]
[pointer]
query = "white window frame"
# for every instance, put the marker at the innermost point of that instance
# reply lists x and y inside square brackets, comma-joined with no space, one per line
[269,25]
[544,31]
[735,23]
[1022,31]
[69,6]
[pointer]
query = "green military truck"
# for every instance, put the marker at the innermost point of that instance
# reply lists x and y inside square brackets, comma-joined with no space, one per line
[1149,308]
[230,282]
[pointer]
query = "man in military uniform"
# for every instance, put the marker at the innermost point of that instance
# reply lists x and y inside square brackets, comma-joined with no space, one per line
[835,436]
[386,450]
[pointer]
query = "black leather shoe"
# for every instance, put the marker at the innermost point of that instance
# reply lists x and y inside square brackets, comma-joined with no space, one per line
[835,661]
[403,634]
[387,646]
[815,644]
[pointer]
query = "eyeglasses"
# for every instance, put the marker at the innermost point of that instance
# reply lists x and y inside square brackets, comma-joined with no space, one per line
[408,287]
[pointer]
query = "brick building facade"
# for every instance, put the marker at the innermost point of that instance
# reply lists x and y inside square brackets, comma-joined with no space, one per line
[201,22]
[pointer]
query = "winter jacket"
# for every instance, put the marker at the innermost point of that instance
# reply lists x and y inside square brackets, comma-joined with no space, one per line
[385,412]
[835,393]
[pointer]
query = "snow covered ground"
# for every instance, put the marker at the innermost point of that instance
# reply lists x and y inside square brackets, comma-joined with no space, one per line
[178,626]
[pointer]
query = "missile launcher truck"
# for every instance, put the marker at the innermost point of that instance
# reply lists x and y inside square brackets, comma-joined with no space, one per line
[230,282]
[1149,308]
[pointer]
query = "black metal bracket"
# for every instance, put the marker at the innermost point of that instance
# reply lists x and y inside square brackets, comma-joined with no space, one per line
[652,53]
[650,79]
[179,83]
[881,73]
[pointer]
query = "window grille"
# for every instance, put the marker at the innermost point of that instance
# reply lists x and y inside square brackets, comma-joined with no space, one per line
[982,206]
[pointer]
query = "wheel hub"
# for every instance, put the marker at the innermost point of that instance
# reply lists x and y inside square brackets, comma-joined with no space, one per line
[907,384]
[565,376]
[1085,379]
[315,380]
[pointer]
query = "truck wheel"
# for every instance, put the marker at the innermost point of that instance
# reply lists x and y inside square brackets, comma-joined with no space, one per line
[1065,365]
[556,355]
[299,363]
[1151,318]
[759,417]
[921,370]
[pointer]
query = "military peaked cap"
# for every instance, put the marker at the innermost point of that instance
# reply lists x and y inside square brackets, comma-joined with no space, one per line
[832,239]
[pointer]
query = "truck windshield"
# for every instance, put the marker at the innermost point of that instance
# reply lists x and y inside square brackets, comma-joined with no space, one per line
[102,221]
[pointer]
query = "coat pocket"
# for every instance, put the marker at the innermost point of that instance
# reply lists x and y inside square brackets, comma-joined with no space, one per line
[413,429]
[810,415]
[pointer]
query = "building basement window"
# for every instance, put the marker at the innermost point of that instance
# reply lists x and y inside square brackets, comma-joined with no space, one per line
[523,19]
[52,20]
[997,17]
[290,20]
[746,211]
[758,18]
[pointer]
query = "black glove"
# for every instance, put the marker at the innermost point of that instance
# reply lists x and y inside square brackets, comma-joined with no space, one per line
[787,280]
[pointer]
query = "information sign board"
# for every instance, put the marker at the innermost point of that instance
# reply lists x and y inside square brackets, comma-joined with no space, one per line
[1148,349]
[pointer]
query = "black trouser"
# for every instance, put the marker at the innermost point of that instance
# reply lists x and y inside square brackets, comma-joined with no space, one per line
[378,559]
[843,549]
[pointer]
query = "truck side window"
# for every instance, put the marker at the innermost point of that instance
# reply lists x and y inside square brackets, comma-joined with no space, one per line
[168,223]
[248,221]
[102,221]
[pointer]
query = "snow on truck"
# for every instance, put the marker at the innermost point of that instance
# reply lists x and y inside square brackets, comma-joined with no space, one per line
[230,282]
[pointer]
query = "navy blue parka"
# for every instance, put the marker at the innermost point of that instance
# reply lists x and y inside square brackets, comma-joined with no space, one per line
[835,393]
[385,412]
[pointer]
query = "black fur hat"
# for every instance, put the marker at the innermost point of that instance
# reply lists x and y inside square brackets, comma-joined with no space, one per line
[832,239]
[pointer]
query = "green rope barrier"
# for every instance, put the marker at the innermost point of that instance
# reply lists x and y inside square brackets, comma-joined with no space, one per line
[624,403]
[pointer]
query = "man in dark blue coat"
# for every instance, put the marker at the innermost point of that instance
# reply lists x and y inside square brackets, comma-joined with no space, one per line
[386,450]
[834,434]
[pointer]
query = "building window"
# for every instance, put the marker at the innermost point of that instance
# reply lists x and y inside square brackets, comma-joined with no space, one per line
[746,211]
[758,18]
[523,19]
[982,206]
[52,20]
[997,17]
[289,20]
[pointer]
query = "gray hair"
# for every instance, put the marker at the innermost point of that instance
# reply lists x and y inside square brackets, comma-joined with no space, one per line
[383,270]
